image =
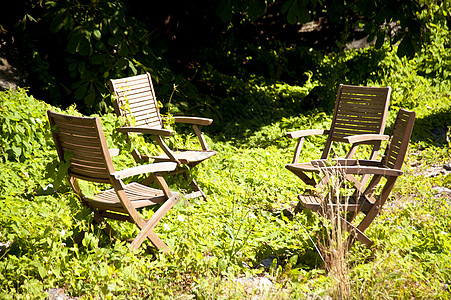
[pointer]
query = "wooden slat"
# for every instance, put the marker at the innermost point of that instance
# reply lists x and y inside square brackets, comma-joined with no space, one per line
[358,124]
[137,100]
[355,112]
[93,176]
[347,89]
[363,98]
[76,130]
[139,195]
[133,96]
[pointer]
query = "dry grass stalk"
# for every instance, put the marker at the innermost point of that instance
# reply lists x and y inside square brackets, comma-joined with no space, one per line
[335,247]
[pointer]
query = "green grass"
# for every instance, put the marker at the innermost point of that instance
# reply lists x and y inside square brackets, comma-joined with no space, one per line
[218,244]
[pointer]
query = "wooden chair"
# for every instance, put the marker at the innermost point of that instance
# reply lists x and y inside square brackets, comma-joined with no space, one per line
[360,112]
[136,101]
[80,142]
[364,199]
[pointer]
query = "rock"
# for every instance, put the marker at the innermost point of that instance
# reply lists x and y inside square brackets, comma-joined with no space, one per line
[57,294]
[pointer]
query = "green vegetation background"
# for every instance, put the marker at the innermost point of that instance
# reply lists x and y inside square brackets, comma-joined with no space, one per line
[217,242]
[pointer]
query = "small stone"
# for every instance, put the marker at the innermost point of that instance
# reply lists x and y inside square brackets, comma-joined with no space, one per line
[57,294]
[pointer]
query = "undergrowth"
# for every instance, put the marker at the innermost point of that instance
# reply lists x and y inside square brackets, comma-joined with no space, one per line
[226,247]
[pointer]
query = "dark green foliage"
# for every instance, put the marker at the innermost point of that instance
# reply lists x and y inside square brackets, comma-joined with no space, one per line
[72,48]
[86,44]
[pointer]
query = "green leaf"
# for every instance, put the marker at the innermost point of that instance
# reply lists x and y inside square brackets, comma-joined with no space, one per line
[122,63]
[17,151]
[91,96]
[132,67]
[72,66]
[97,34]
[73,43]
[222,264]
[97,59]
[81,91]
[293,13]
[256,8]
[380,39]
[41,270]
[57,23]
[224,10]
[286,6]
[123,49]
[84,47]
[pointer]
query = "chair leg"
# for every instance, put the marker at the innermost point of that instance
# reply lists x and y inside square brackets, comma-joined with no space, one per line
[298,207]
[147,229]
[149,180]
[154,239]
[356,233]
[196,189]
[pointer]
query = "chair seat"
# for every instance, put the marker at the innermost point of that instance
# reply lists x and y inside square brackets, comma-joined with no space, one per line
[187,156]
[310,202]
[138,194]
[313,202]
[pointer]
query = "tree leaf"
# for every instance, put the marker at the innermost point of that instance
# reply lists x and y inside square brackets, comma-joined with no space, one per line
[380,39]
[123,49]
[97,35]
[84,47]
[286,6]
[72,45]
[224,10]
[80,92]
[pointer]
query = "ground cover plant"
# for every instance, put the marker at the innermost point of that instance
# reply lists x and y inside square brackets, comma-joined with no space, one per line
[241,242]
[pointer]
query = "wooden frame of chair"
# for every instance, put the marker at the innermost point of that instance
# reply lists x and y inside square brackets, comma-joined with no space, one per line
[136,101]
[80,142]
[360,112]
[364,200]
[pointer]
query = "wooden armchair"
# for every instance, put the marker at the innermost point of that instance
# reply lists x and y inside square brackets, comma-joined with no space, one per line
[136,101]
[80,141]
[360,112]
[364,199]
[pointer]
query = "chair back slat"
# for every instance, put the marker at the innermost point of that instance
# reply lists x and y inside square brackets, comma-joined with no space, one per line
[82,138]
[399,142]
[135,100]
[359,110]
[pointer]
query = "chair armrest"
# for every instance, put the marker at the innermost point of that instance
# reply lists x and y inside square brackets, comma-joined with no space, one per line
[150,168]
[113,152]
[321,163]
[308,132]
[362,170]
[360,138]
[146,130]
[193,120]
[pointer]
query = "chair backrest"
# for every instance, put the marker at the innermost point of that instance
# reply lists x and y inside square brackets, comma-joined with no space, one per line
[81,141]
[358,110]
[399,141]
[136,101]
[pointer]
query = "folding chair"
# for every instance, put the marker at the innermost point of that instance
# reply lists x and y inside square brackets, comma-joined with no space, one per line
[80,142]
[364,199]
[136,101]
[358,111]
